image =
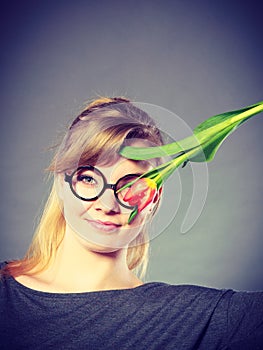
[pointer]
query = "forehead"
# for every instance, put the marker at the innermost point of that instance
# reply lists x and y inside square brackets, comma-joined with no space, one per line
[124,167]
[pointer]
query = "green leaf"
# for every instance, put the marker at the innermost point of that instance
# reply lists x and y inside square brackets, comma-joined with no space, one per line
[133,215]
[212,132]
[205,141]
[142,153]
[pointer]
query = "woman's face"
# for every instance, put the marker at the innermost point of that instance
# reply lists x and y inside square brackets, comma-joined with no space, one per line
[103,223]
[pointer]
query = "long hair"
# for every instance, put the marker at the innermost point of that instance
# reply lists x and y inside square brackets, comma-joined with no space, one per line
[95,135]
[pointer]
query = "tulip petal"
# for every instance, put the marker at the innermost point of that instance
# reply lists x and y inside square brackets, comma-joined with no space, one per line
[140,195]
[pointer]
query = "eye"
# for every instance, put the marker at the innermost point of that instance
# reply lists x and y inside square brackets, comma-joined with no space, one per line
[123,182]
[86,179]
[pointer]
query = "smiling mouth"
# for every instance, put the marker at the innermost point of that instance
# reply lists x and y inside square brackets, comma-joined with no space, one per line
[108,227]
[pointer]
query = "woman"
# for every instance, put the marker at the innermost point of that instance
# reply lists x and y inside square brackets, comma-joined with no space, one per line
[79,285]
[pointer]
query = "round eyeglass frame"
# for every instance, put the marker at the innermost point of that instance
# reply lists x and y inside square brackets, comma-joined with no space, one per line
[68,178]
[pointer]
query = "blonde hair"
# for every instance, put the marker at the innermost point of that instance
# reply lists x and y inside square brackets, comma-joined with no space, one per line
[95,135]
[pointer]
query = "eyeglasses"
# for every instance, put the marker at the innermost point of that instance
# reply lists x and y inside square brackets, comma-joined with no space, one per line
[88,184]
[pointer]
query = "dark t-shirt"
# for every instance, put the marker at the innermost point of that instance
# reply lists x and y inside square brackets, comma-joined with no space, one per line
[152,316]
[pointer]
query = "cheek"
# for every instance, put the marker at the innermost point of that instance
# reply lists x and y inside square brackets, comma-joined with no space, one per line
[73,206]
[135,227]
[143,217]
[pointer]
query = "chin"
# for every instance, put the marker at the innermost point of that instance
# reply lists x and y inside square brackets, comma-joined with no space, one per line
[95,245]
[101,241]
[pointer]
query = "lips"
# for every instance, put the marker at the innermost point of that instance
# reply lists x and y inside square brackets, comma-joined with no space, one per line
[105,226]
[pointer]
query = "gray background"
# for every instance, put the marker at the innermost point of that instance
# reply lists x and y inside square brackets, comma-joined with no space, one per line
[195,58]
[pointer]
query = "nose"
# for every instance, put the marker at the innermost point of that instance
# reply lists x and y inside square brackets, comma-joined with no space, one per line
[107,202]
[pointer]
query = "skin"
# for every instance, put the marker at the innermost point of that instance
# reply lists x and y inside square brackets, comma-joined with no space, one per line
[92,255]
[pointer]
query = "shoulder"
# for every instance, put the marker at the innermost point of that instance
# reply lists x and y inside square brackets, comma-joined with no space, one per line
[160,289]
[4,281]
[3,264]
[3,270]
[195,294]
[237,315]
[184,296]
[221,303]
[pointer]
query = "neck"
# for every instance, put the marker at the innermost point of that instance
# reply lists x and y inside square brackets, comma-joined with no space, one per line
[79,268]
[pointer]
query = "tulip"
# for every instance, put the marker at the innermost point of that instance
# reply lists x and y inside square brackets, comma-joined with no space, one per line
[141,193]
[199,147]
